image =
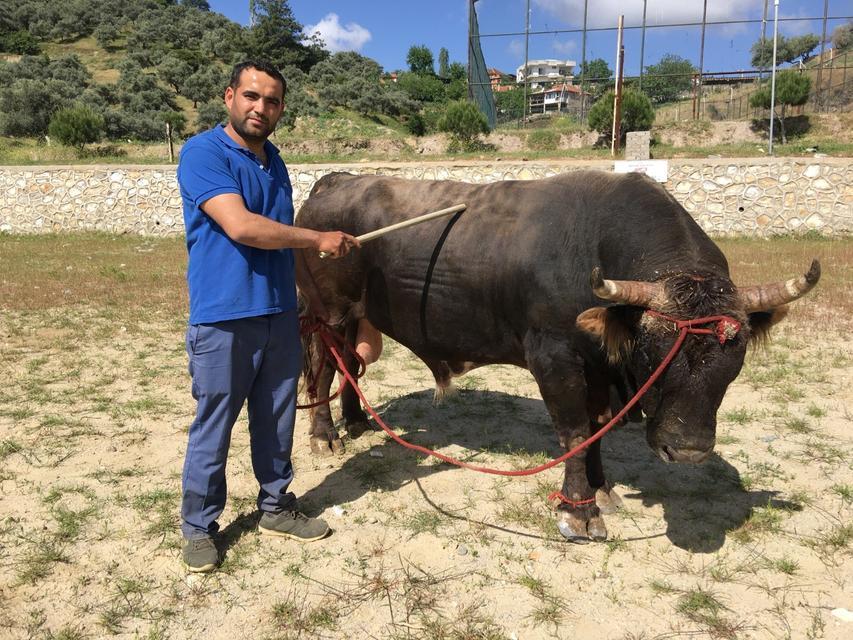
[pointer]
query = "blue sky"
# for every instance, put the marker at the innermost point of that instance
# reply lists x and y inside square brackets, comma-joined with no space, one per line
[385,29]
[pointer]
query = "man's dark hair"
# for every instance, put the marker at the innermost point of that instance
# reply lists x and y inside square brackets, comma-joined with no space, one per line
[260,65]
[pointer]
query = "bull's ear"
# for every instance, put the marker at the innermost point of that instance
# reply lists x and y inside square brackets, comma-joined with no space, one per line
[760,323]
[613,327]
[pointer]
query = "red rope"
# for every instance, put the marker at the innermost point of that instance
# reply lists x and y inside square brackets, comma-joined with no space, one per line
[725,330]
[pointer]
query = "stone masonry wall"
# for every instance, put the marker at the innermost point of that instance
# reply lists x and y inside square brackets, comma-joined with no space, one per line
[750,197]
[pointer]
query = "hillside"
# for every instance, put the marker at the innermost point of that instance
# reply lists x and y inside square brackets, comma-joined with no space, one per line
[154,62]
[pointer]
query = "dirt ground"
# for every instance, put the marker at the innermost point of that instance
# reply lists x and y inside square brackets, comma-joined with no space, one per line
[94,406]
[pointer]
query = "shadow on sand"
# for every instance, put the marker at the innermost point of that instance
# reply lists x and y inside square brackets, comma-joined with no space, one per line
[700,503]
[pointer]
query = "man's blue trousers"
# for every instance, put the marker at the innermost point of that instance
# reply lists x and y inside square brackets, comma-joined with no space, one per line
[250,359]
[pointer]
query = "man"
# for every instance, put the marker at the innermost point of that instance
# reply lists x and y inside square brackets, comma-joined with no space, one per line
[243,335]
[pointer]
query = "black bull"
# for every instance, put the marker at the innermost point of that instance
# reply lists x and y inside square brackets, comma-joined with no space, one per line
[507,281]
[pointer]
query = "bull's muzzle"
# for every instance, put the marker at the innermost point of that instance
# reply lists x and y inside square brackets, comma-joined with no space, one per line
[671,454]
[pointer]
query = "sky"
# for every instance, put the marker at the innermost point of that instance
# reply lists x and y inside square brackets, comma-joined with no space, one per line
[385,29]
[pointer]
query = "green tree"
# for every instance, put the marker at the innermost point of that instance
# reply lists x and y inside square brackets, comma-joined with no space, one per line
[422,87]
[76,126]
[278,37]
[205,84]
[842,36]
[464,122]
[792,89]
[346,78]
[210,114]
[787,50]
[443,63]
[20,42]
[26,106]
[174,72]
[667,80]
[510,104]
[420,60]
[596,77]
[637,113]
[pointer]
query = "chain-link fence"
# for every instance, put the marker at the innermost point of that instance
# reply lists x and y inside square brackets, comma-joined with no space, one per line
[717,94]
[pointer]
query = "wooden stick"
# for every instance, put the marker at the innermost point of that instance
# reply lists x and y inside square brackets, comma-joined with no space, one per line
[372,235]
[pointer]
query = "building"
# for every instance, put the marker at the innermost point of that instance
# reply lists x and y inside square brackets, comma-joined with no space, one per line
[542,71]
[563,97]
[499,80]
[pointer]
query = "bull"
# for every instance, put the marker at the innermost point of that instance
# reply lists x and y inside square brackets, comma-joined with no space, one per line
[519,278]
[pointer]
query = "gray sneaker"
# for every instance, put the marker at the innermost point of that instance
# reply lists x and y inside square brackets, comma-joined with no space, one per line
[292,524]
[200,554]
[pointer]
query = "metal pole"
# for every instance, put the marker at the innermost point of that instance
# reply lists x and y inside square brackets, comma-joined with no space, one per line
[617,98]
[773,74]
[526,60]
[819,88]
[702,53]
[583,61]
[643,43]
[763,35]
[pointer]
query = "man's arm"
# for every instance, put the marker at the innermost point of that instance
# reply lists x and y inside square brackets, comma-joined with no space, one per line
[245,227]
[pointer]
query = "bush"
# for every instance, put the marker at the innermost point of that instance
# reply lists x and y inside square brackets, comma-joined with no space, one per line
[543,140]
[210,114]
[76,126]
[416,125]
[637,113]
[20,42]
[464,122]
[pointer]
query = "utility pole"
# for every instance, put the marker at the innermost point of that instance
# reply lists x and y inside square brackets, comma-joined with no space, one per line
[643,43]
[702,56]
[526,60]
[617,99]
[773,74]
[583,61]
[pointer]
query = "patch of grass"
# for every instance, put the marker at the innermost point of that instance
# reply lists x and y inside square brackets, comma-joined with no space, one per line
[38,561]
[844,491]
[798,425]
[426,521]
[741,416]
[703,607]
[296,618]
[815,411]
[784,565]
[8,447]
[761,521]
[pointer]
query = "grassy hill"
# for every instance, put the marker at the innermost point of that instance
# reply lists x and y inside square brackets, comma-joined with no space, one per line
[343,135]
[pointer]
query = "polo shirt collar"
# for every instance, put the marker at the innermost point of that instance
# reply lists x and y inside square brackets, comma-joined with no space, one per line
[219,132]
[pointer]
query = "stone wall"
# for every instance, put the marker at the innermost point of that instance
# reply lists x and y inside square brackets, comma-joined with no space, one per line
[752,197]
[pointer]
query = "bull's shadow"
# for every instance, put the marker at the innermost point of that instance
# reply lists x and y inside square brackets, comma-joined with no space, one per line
[700,502]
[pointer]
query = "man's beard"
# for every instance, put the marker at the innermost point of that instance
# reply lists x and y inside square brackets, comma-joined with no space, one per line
[251,135]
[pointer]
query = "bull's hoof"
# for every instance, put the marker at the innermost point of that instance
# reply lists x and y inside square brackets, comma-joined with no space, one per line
[596,530]
[608,500]
[357,428]
[322,447]
[579,530]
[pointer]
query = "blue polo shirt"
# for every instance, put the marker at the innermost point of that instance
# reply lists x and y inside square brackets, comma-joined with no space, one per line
[228,280]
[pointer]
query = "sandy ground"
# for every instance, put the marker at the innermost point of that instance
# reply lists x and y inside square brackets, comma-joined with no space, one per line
[755,543]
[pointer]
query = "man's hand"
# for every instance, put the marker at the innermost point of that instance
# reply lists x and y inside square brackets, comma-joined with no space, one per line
[336,244]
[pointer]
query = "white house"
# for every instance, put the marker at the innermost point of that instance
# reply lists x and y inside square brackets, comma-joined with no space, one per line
[539,71]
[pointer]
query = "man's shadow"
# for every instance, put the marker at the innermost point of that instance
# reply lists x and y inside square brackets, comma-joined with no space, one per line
[701,503]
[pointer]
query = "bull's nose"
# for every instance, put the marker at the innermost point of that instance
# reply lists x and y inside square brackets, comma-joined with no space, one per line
[695,456]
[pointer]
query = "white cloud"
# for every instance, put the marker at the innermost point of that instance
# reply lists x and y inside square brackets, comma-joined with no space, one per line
[338,37]
[565,47]
[516,48]
[605,13]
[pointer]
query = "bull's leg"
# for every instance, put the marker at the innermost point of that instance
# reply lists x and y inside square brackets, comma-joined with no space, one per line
[559,371]
[323,436]
[599,409]
[355,419]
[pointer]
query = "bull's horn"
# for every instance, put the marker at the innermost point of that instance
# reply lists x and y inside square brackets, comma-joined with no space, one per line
[633,292]
[769,296]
